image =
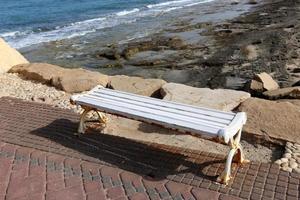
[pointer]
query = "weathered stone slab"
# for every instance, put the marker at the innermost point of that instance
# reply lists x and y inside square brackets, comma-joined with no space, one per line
[136,85]
[69,80]
[273,121]
[221,99]
[79,80]
[9,57]
[40,72]
[268,82]
[290,92]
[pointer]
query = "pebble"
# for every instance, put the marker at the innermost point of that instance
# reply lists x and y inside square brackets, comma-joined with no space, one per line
[284,160]
[297,170]
[290,161]
[287,155]
[278,162]
[293,165]
[283,165]
[287,169]
[37,92]
[288,151]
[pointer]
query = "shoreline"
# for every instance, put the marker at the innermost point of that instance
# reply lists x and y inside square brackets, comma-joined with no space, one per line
[221,54]
[181,56]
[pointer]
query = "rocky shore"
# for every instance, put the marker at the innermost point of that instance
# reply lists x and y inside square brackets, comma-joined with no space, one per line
[254,57]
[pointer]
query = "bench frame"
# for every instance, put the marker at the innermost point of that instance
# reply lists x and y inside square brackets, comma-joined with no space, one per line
[235,154]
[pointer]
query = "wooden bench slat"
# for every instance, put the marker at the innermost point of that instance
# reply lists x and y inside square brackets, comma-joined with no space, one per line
[202,118]
[150,117]
[158,112]
[169,104]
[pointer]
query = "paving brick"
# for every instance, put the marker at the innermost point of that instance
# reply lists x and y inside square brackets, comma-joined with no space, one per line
[139,196]
[115,192]
[228,197]
[44,147]
[202,194]
[55,185]
[99,195]
[73,181]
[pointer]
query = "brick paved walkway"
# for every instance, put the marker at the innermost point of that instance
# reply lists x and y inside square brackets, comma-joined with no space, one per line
[40,158]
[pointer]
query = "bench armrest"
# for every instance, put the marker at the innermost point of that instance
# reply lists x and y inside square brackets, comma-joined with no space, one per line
[232,129]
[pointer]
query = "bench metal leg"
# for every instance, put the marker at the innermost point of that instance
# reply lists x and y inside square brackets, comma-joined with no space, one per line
[83,119]
[235,154]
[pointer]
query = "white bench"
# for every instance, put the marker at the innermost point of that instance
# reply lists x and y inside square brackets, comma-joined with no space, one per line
[219,126]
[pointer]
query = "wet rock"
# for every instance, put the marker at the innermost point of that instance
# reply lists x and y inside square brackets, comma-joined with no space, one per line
[155,44]
[109,53]
[252,2]
[136,85]
[78,80]
[272,121]
[9,57]
[234,2]
[153,58]
[221,99]
[283,93]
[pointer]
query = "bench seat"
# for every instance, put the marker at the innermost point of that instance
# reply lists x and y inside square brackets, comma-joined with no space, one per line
[224,127]
[208,123]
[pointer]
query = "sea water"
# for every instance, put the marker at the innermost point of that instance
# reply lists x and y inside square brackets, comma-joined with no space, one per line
[29,22]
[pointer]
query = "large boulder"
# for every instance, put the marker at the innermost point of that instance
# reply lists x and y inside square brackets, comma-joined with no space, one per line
[78,80]
[9,57]
[221,99]
[272,121]
[40,72]
[288,93]
[136,85]
[69,80]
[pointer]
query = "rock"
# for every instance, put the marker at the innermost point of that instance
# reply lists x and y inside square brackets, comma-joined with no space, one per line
[221,99]
[262,82]
[40,72]
[136,85]
[78,80]
[234,2]
[284,160]
[250,52]
[267,81]
[278,162]
[296,84]
[287,155]
[252,2]
[287,93]
[256,86]
[284,165]
[9,57]
[287,169]
[293,165]
[273,121]
[69,80]
[297,170]
[289,144]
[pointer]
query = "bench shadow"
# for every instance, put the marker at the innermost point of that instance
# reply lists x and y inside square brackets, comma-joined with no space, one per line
[152,161]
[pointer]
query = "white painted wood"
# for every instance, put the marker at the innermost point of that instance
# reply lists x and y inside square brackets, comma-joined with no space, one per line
[206,122]
[169,104]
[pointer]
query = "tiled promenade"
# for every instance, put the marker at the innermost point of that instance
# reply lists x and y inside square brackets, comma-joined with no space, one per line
[41,159]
